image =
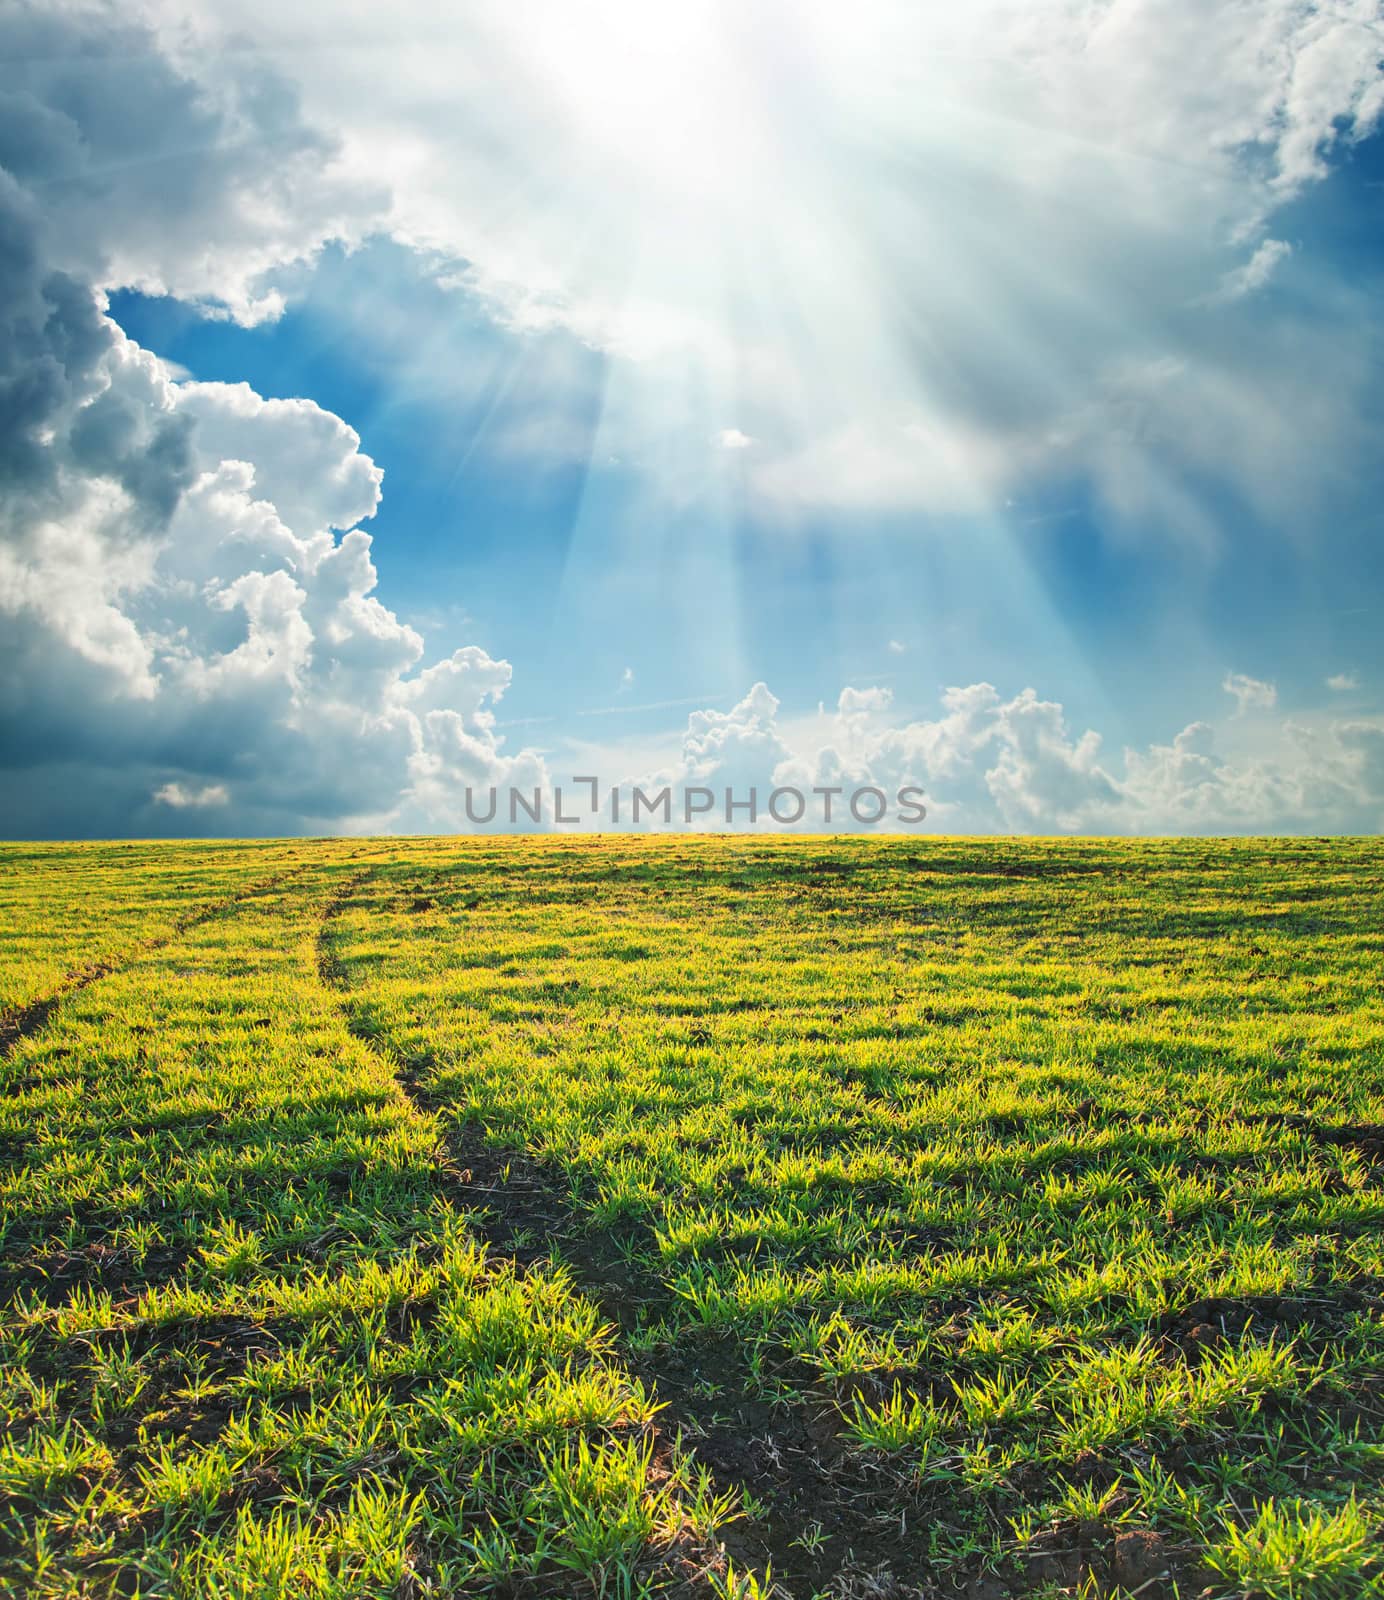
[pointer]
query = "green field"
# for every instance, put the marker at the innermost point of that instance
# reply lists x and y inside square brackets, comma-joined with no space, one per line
[716,1217]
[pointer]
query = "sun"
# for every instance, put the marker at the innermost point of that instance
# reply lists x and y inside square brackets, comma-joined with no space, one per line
[665,97]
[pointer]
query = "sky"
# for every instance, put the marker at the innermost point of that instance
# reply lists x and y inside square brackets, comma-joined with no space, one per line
[401,402]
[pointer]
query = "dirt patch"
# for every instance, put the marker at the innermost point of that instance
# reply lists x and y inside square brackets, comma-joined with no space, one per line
[1209,1324]
[50,1276]
[218,1349]
[1366,1137]
[22,1022]
[1092,1552]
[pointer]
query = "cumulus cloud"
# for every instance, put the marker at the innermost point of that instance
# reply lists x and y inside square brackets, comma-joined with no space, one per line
[188,603]
[988,763]
[154,179]
[1249,694]
[738,745]
[854,702]
[1343,682]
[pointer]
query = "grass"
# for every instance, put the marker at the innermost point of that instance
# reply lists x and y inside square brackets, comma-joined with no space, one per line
[700,1217]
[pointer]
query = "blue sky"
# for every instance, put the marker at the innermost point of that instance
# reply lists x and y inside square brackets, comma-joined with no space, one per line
[552,560]
[1034,349]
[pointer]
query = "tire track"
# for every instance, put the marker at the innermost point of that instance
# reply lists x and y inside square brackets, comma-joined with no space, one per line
[53,1269]
[521,1208]
[519,1213]
[788,1460]
[23,1022]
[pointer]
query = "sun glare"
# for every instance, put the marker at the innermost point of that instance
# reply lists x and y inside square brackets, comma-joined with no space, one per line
[658,96]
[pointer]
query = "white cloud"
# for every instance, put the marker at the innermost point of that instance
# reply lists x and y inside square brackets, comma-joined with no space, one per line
[253,646]
[897,648]
[307,462]
[863,702]
[1343,682]
[170,179]
[183,579]
[1042,775]
[989,764]
[1250,694]
[182,798]
[1255,272]
[877,349]
[742,741]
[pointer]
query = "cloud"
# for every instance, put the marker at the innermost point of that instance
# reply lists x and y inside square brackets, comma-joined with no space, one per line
[735,744]
[991,764]
[897,648]
[1041,774]
[182,798]
[1249,693]
[189,617]
[863,702]
[1343,682]
[151,178]
[1256,272]
[791,213]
